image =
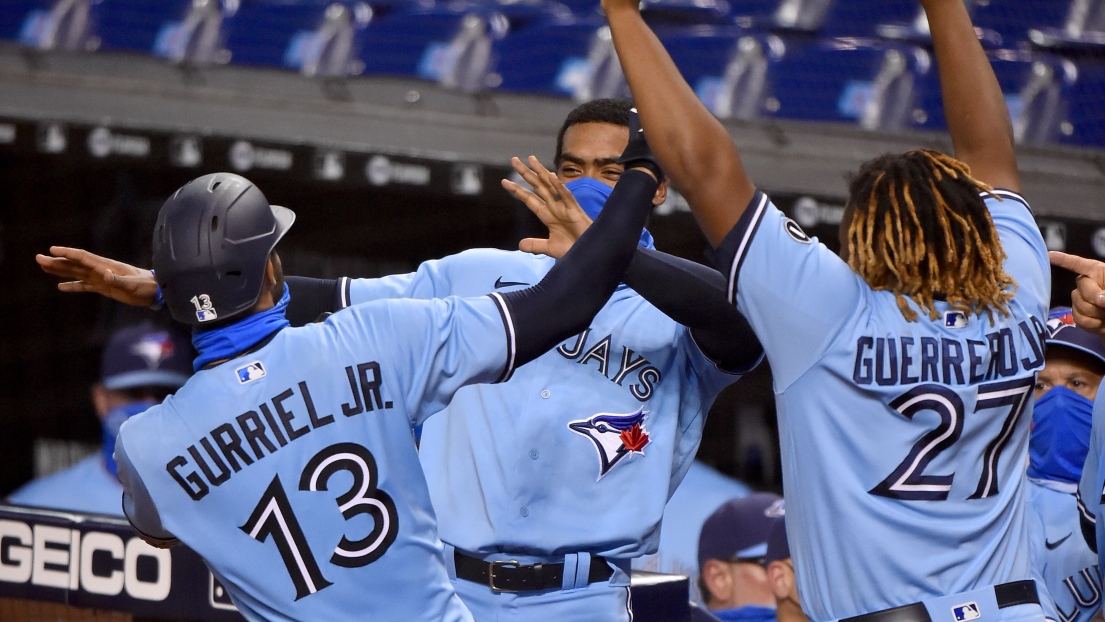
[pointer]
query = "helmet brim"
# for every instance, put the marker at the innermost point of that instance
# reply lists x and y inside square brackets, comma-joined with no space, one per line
[284,219]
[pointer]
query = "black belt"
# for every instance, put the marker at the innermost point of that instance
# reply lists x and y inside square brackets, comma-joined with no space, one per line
[511,576]
[1007,595]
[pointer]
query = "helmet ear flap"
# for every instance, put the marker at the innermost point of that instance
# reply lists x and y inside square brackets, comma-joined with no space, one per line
[212,243]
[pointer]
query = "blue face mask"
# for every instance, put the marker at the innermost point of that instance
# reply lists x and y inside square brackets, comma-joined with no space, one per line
[111,424]
[1060,436]
[592,194]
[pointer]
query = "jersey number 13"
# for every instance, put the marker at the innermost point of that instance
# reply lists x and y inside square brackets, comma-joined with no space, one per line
[273,517]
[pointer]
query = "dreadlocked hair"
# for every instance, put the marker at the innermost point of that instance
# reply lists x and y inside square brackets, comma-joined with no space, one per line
[920,229]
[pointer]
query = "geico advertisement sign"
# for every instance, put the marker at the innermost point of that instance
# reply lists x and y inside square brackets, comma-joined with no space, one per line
[96,562]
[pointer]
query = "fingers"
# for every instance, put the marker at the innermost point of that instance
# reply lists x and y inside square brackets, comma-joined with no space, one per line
[533,202]
[1074,263]
[537,246]
[76,287]
[1088,316]
[1090,291]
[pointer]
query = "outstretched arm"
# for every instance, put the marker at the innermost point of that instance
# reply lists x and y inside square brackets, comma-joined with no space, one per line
[692,146]
[977,117]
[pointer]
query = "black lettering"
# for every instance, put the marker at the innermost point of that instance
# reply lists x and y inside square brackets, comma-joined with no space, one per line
[571,353]
[371,388]
[230,444]
[272,425]
[891,349]
[907,360]
[953,360]
[930,359]
[629,364]
[862,373]
[976,360]
[648,377]
[198,488]
[316,421]
[357,407]
[255,433]
[224,472]
[1034,341]
[287,415]
[600,352]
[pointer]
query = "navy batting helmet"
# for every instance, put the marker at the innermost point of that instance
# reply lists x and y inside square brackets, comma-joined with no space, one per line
[211,244]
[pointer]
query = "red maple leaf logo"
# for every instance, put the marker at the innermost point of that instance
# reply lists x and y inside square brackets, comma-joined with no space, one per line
[635,438]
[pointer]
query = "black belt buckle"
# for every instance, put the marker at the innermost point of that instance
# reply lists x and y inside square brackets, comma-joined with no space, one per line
[511,564]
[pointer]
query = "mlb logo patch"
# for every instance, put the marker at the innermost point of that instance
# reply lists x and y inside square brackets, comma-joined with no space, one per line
[955,319]
[966,612]
[206,316]
[250,372]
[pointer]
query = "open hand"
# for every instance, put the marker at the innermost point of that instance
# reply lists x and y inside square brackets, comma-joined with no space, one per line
[83,271]
[1088,298]
[553,203]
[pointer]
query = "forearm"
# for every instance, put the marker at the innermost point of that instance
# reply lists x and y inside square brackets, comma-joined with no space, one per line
[974,105]
[577,287]
[695,296]
[311,298]
[692,146]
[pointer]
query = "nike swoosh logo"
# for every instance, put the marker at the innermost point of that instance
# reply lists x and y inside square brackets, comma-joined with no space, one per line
[499,282]
[1051,546]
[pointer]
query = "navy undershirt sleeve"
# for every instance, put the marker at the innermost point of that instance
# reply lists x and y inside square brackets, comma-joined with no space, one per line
[695,296]
[577,287]
[310,298]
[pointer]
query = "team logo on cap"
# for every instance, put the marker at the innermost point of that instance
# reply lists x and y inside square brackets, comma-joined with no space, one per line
[250,372]
[615,436]
[153,349]
[1058,321]
[966,612]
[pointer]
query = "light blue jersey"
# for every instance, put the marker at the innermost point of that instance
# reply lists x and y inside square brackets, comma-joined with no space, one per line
[86,487]
[701,492]
[580,450]
[904,444]
[1060,554]
[1091,488]
[292,469]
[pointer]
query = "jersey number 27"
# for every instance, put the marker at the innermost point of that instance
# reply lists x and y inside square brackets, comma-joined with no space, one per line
[908,481]
[273,517]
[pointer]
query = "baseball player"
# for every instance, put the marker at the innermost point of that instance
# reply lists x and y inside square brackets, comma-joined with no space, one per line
[904,368]
[287,461]
[139,366]
[1065,388]
[546,486]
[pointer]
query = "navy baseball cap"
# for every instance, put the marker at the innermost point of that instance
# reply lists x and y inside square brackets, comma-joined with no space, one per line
[145,356]
[777,546]
[1062,331]
[739,528]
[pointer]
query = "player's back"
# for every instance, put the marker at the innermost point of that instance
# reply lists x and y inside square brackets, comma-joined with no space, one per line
[292,470]
[908,442]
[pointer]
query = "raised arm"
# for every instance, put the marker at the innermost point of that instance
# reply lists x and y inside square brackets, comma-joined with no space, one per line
[977,117]
[692,146]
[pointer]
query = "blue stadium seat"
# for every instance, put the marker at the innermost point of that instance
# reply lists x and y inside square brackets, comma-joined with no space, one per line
[58,24]
[549,58]
[14,15]
[134,25]
[835,18]
[316,37]
[725,66]
[1014,20]
[846,80]
[1085,115]
[659,13]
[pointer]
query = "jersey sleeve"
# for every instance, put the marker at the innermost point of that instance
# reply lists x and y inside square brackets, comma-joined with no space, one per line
[1090,485]
[432,279]
[138,506]
[1026,258]
[794,291]
[442,345]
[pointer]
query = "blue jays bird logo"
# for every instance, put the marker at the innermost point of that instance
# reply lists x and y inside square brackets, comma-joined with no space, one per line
[153,349]
[615,436]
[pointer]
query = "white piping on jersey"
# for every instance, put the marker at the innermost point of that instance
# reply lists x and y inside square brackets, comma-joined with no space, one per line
[1085,511]
[511,338]
[1008,194]
[1003,438]
[343,285]
[745,239]
[274,509]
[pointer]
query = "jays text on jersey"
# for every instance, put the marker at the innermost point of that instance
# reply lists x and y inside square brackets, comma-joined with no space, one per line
[581,449]
[343,518]
[903,443]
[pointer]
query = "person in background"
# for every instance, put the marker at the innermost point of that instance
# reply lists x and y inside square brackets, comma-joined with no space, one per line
[140,366]
[702,491]
[780,575]
[1058,445]
[731,551]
